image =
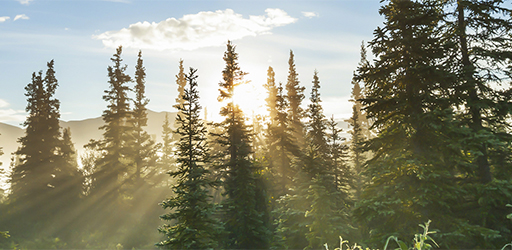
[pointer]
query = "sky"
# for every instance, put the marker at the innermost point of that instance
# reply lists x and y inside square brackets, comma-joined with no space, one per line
[82,35]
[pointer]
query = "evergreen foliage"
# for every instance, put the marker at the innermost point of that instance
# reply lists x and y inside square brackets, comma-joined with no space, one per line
[243,217]
[192,212]
[316,125]
[360,130]
[280,145]
[416,148]
[113,168]
[430,138]
[45,168]
[481,60]
[294,97]
[167,159]
[144,148]
[272,90]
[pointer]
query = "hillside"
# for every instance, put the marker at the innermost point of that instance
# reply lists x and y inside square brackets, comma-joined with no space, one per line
[81,132]
[84,130]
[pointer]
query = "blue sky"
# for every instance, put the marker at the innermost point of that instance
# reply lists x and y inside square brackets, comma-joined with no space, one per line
[81,36]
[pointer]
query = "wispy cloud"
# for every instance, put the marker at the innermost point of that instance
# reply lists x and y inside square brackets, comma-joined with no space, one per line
[22,16]
[25,2]
[3,103]
[194,31]
[309,14]
[4,18]
[10,115]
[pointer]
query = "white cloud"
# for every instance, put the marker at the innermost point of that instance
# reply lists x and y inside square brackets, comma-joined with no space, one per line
[22,16]
[25,2]
[3,103]
[4,18]
[10,115]
[194,31]
[309,14]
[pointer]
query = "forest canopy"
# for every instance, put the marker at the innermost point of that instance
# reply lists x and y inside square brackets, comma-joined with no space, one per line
[429,142]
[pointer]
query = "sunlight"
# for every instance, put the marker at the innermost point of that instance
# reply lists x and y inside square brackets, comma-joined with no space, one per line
[251,99]
[251,96]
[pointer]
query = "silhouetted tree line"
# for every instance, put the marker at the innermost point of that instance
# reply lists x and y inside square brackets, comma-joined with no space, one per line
[430,139]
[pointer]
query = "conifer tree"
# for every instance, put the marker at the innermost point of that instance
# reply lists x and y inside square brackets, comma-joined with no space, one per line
[144,148]
[481,61]
[360,131]
[70,177]
[181,81]
[112,169]
[337,155]
[167,161]
[316,124]
[39,173]
[279,138]
[483,57]
[294,96]
[195,226]
[244,217]
[414,168]
[326,209]
[271,99]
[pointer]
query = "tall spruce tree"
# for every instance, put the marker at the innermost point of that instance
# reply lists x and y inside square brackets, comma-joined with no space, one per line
[244,214]
[326,212]
[316,125]
[359,132]
[144,148]
[280,145]
[481,60]
[294,96]
[113,169]
[39,174]
[483,57]
[181,81]
[191,208]
[416,154]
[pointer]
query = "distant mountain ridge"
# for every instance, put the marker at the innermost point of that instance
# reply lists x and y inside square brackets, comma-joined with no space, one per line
[82,132]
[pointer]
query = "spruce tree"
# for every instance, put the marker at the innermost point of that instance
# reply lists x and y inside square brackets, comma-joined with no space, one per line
[167,159]
[271,99]
[481,61]
[326,211]
[337,155]
[416,154]
[144,148]
[483,57]
[316,125]
[191,209]
[280,145]
[294,96]
[181,81]
[360,131]
[40,174]
[244,217]
[113,168]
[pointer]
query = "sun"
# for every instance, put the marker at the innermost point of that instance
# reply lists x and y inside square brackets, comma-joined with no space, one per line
[250,97]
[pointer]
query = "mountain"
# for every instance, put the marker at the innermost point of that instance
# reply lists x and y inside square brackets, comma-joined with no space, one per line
[9,142]
[81,132]
[84,130]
